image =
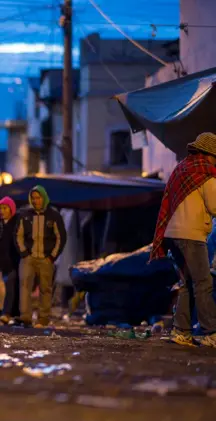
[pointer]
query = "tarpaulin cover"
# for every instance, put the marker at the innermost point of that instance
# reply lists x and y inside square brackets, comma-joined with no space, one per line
[88,191]
[176,111]
[124,288]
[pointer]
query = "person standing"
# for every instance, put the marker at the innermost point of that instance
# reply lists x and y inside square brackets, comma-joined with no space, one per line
[40,238]
[9,261]
[184,222]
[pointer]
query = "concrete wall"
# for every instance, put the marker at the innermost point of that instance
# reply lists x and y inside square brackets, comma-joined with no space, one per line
[99,114]
[198,47]
[156,157]
[99,117]
[98,80]
[17,157]
[197,52]
[33,122]
[120,51]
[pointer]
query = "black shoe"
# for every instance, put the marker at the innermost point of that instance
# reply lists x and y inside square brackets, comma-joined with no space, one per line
[19,321]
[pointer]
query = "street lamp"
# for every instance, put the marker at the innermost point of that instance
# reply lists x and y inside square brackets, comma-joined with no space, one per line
[5,178]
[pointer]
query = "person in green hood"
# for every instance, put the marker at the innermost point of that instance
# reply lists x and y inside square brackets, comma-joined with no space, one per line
[38,198]
[40,238]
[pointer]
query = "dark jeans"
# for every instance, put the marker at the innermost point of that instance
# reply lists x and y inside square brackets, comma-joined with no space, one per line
[11,302]
[192,260]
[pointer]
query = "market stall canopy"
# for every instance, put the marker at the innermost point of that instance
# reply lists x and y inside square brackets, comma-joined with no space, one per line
[88,191]
[176,112]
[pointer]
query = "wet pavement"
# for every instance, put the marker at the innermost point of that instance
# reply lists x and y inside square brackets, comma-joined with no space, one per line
[83,374]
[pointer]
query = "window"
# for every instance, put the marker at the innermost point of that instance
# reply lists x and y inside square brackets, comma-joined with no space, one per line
[34,160]
[121,152]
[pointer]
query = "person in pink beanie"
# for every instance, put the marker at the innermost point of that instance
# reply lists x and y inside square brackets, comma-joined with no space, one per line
[9,261]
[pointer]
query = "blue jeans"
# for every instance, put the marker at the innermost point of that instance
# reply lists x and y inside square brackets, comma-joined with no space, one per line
[192,260]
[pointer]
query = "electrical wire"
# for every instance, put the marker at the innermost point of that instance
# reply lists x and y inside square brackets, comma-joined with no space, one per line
[106,68]
[135,43]
[17,15]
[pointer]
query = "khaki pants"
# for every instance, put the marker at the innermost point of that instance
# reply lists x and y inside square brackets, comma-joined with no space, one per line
[30,267]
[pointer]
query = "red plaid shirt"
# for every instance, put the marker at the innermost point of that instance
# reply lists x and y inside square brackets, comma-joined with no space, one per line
[188,176]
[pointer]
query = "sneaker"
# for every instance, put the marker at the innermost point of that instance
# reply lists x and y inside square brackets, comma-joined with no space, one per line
[41,324]
[185,339]
[5,319]
[209,340]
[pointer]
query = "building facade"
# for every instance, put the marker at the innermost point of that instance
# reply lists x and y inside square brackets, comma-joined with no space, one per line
[101,135]
[197,52]
[109,67]
[155,156]
[197,40]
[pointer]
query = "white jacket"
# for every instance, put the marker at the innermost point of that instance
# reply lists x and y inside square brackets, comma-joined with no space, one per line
[192,219]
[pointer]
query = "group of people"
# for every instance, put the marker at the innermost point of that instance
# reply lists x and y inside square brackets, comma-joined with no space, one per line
[183,228]
[31,240]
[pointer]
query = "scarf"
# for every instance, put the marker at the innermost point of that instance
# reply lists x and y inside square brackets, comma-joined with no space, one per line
[188,176]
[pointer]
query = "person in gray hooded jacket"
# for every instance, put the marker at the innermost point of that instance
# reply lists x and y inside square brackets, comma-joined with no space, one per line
[40,238]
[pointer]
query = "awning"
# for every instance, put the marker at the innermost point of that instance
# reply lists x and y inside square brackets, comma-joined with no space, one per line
[176,112]
[89,191]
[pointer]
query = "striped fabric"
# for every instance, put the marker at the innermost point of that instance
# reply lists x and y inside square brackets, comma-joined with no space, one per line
[188,176]
[205,142]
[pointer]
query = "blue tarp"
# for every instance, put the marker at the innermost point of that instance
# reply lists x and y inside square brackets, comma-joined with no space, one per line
[122,265]
[123,288]
[175,112]
[89,191]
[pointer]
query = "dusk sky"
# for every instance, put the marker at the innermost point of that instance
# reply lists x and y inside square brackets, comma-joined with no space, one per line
[29,29]
[31,39]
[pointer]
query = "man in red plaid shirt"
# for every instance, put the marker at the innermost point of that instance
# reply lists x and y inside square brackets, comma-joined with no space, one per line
[184,222]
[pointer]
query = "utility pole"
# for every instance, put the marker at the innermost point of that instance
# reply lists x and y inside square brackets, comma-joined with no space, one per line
[67,100]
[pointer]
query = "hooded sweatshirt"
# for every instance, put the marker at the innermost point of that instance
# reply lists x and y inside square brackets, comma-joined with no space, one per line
[9,202]
[41,233]
[43,193]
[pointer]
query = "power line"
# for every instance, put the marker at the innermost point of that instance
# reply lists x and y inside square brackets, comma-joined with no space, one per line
[180,26]
[17,15]
[135,43]
[106,68]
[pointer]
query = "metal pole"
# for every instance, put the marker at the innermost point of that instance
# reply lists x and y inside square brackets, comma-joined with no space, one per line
[67,141]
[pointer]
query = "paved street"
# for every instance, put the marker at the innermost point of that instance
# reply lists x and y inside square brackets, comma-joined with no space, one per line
[84,375]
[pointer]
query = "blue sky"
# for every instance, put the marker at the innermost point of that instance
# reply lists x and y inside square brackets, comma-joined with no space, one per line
[31,39]
[30,36]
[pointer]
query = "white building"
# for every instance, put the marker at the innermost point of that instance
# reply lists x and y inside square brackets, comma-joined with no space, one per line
[155,156]
[197,45]
[18,151]
[33,127]
[51,118]
[101,136]
[109,67]
[197,52]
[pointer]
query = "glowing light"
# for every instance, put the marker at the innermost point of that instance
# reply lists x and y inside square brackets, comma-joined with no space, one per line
[6,178]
